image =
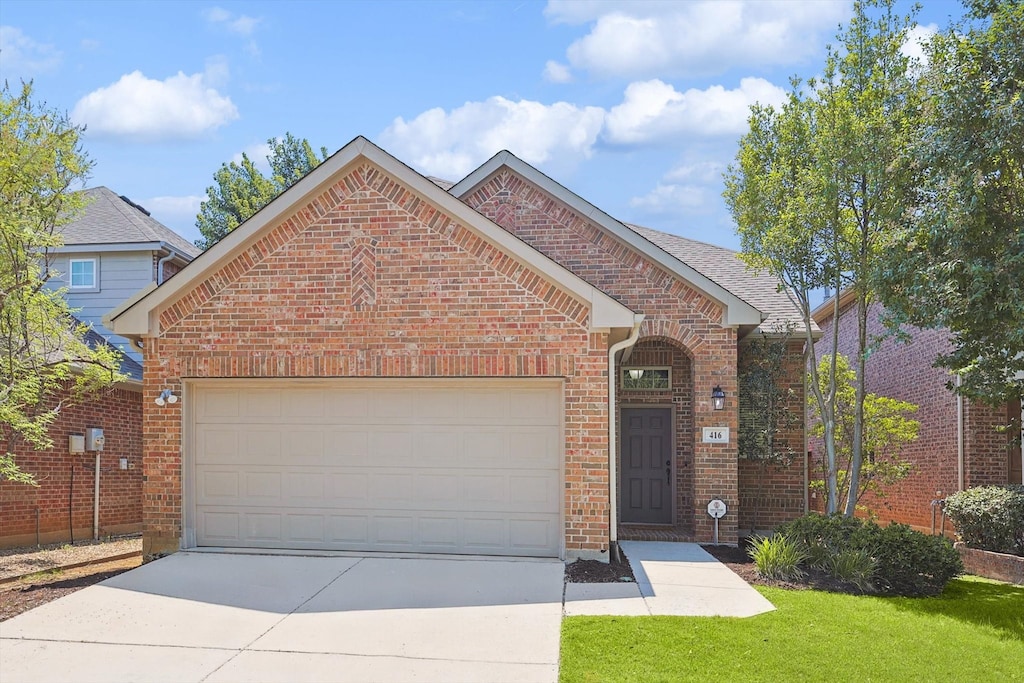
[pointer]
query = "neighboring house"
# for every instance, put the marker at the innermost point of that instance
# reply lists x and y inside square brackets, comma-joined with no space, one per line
[111,251]
[960,444]
[373,363]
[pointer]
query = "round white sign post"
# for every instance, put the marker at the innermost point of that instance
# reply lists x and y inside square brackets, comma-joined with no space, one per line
[717,509]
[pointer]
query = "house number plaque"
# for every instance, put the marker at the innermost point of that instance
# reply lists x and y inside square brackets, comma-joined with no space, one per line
[716,435]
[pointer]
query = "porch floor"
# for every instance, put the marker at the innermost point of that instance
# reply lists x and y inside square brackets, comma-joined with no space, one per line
[657,532]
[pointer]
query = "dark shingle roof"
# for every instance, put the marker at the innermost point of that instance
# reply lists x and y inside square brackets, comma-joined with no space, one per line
[724,266]
[129,365]
[109,219]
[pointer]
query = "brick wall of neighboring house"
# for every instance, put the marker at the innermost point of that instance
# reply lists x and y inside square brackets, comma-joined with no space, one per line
[904,371]
[773,493]
[674,311]
[367,280]
[119,412]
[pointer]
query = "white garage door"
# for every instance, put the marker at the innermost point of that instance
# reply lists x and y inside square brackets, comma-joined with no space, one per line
[468,467]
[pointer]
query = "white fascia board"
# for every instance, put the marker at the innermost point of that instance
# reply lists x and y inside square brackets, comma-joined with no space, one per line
[135,319]
[104,248]
[737,311]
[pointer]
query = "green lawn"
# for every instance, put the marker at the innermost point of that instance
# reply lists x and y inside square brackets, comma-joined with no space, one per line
[973,632]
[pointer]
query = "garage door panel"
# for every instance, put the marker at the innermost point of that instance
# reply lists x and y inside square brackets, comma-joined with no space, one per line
[426,469]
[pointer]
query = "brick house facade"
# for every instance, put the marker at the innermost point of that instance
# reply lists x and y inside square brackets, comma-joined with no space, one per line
[904,371]
[367,280]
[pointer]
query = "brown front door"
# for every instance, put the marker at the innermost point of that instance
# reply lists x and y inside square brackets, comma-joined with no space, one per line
[646,466]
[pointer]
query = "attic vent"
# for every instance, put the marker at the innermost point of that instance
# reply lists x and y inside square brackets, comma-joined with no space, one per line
[137,206]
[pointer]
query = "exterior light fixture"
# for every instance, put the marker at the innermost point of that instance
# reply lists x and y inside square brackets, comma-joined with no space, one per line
[165,397]
[718,398]
[635,374]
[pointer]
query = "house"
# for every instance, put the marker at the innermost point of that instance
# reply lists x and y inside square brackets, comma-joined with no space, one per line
[960,444]
[374,362]
[111,250]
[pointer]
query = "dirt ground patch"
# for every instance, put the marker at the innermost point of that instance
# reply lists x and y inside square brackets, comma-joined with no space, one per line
[19,561]
[38,589]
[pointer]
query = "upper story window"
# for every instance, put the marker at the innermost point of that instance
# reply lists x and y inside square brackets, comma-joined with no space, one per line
[83,274]
[647,379]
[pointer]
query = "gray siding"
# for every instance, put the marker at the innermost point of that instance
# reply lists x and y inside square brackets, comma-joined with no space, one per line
[121,275]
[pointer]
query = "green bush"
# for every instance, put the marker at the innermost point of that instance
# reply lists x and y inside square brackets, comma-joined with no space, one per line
[822,536]
[989,517]
[855,566]
[777,557]
[905,562]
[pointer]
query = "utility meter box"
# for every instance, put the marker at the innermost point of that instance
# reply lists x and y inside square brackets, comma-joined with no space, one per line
[76,443]
[94,439]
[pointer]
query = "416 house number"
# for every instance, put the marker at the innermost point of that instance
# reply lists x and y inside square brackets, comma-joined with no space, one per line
[716,435]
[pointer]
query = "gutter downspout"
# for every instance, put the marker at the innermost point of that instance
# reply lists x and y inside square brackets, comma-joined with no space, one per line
[613,511]
[171,253]
[959,438]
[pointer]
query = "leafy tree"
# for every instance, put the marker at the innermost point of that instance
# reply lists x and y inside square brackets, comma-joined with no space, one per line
[766,406]
[887,428]
[960,263]
[819,185]
[240,189]
[45,359]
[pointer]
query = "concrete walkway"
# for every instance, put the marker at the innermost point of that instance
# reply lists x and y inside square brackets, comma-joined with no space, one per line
[678,579]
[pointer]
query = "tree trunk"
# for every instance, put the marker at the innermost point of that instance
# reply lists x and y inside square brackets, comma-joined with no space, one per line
[857,450]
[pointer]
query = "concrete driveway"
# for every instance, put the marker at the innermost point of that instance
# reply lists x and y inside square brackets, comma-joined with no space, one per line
[234,617]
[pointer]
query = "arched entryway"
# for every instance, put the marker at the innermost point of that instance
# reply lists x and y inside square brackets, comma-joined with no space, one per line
[654,389]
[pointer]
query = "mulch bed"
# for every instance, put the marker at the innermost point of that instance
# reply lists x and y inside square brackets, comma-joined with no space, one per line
[595,571]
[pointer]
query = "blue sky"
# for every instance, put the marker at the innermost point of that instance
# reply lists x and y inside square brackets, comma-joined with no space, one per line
[636,106]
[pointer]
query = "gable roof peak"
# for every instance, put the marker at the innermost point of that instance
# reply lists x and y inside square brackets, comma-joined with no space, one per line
[737,311]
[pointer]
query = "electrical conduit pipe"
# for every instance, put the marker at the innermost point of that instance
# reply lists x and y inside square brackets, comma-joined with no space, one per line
[613,503]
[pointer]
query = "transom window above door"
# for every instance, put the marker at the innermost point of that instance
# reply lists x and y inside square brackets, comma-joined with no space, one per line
[646,379]
[82,274]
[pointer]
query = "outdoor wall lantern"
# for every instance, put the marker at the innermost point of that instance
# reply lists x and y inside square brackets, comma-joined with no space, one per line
[635,374]
[165,397]
[718,398]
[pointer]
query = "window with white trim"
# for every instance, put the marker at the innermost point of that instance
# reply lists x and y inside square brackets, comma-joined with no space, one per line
[646,379]
[83,274]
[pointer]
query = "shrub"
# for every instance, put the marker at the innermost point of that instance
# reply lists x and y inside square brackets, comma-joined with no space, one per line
[777,557]
[908,562]
[989,518]
[905,562]
[855,566]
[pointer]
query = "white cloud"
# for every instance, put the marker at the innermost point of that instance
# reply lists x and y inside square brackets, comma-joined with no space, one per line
[689,188]
[141,108]
[22,56]
[239,24]
[451,144]
[653,111]
[645,39]
[671,198]
[917,38]
[556,72]
[258,155]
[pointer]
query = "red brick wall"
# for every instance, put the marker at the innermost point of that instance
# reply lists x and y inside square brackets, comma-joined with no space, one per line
[777,490]
[673,309]
[119,413]
[904,371]
[432,299]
